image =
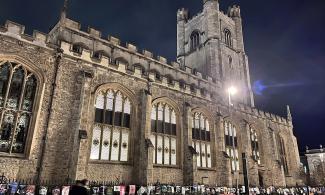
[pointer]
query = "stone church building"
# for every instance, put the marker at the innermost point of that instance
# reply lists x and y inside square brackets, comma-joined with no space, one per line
[76,105]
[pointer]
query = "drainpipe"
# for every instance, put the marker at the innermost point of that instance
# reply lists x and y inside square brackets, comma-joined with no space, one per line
[58,57]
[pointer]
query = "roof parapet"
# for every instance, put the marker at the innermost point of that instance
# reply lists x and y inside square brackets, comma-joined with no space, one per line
[95,33]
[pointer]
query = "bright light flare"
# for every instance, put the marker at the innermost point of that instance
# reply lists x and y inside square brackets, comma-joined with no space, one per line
[232,90]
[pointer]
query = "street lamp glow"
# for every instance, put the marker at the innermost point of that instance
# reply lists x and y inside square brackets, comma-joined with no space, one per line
[232,90]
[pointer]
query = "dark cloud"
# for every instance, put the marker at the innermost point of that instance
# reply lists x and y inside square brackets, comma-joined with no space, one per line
[284,41]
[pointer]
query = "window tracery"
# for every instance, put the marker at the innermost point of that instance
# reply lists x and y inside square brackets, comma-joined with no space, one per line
[201,139]
[111,131]
[17,92]
[231,145]
[255,146]
[163,134]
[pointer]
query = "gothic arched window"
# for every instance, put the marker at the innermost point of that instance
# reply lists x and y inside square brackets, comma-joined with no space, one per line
[201,139]
[163,134]
[17,93]
[232,145]
[111,131]
[228,38]
[254,145]
[282,154]
[195,40]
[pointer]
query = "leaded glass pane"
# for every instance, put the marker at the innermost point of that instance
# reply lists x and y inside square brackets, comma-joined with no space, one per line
[21,134]
[95,144]
[7,128]
[208,156]
[4,76]
[99,112]
[153,118]
[29,94]
[118,102]
[197,121]
[115,144]
[166,150]
[106,143]
[198,151]
[16,88]
[226,129]
[109,100]
[173,121]
[207,125]
[124,145]
[100,99]
[173,151]
[167,121]
[127,106]
[203,155]
[127,112]
[167,115]
[201,122]
[159,149]
[160,119]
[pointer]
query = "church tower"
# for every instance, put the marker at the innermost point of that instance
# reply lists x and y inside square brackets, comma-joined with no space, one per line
[211,42]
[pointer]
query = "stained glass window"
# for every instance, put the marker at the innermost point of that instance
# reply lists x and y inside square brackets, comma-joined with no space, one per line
[254,146]
[163,128]
[111,131]
[17,93]
[231,145]
[201,139]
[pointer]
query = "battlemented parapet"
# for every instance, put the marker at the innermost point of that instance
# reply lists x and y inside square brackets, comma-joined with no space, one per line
[176,78]
[17,31]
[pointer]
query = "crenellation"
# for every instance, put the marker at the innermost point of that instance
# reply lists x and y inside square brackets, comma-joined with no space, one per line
[188,70]
[147,53]
[14,28]
[162,59]
[194,17]
[95,33]
[132,48]
[72,24]
[39,36]
[114,40]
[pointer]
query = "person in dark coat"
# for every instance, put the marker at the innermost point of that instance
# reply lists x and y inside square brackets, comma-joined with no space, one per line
[80,188]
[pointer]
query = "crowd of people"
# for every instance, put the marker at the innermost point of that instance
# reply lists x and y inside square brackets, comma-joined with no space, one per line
[84,187]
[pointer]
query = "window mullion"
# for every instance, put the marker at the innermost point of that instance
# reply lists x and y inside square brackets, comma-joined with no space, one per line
[102,128]
[6,94]
[112,127]
[22,91]
[13,132]
[156,133]
[121,129]
[17,114]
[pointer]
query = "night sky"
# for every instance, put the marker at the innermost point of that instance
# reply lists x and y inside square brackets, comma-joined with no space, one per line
[285,42]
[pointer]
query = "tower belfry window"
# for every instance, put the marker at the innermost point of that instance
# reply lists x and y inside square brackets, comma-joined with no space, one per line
[195,40]
[228,39]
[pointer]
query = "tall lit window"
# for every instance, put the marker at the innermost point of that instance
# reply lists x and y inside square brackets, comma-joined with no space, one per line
[111,131]
[282,154]
[195,40]
[228,39]
[201,139]
[163,134]
[254,145]
[232,145]
[17,92]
